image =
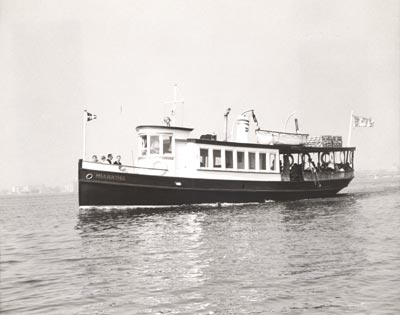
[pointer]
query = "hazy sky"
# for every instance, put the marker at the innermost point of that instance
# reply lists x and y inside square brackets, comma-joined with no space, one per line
[120,59]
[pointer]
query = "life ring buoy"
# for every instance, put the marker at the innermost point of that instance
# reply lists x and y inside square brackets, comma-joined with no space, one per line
[324,156]
[291,160]
[159,165]
[306,155]
[288,160]
[342,157]
[89,176]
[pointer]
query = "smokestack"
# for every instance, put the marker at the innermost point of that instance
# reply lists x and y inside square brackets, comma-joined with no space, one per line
[296,122]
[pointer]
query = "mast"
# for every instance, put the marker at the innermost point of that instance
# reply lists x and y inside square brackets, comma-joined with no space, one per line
[84,135]
[174,102]
[350,127]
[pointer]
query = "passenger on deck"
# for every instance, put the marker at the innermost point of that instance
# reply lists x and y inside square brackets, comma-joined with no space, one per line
[118,160]
[336,167]
[296,173]
[311,166]
[340,167]
[286,165]
[272,165]
[314,173]
[103,159]
[109,158]
[347,167]
[155,147]
[95,159]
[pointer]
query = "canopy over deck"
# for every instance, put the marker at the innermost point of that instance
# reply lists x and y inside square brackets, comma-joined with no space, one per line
[282,147]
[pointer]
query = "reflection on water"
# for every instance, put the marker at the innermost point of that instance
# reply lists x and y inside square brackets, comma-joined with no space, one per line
[333,255]
[261,252]
[322,251]
[156,253]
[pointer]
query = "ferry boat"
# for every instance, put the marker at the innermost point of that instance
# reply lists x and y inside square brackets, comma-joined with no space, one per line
[174,168]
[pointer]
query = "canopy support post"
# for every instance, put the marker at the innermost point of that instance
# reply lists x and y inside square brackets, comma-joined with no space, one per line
[84,135]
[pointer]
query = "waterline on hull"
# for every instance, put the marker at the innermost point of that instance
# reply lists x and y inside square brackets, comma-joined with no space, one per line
[166,207]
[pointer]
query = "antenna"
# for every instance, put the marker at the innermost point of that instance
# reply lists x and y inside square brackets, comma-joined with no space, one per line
[174,102]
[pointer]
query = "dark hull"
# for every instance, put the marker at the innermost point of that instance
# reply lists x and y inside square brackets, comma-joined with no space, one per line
[98,188]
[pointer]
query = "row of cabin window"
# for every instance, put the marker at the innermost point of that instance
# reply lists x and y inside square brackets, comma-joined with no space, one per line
[216,158]
[155,148]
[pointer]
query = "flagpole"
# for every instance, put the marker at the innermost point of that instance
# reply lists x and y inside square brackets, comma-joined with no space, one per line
[350,127]
[84,134]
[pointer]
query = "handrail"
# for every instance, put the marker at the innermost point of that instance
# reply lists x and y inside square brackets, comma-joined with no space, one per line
[281,132]
[128,166]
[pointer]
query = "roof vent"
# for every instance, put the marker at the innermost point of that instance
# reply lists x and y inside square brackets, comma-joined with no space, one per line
[209,137]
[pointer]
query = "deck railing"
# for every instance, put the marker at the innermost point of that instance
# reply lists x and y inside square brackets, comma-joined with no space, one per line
[120,168]
[308,176]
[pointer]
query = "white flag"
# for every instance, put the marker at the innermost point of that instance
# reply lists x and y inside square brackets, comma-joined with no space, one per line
[362,121]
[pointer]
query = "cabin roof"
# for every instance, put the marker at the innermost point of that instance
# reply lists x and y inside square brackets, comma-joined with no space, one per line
[164,127]
[283,148]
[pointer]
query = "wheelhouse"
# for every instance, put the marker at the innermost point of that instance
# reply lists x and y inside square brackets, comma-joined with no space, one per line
[157,146]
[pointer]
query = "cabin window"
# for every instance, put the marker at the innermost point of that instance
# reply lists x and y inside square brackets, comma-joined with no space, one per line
[167,144]
[143,147]
[252,161]
[228,159]
[154,145]
[217,158]
[203,157]
[272,159]
[240,160]
[263,161]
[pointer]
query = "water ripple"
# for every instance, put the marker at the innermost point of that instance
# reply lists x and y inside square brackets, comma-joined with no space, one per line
[321,256]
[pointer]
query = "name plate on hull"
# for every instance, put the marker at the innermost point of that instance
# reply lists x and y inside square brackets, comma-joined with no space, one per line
[106,177]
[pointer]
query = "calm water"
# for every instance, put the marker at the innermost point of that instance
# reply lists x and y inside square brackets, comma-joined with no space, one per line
[324,256]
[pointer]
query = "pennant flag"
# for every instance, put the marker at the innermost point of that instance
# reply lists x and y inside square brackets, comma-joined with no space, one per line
[362,122]
[90,116]
[255,119]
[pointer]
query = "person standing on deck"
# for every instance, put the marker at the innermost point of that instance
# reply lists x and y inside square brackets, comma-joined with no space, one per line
[313,172]
[118,160]
[109,158]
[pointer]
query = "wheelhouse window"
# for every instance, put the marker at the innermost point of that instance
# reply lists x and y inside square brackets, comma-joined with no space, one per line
[272,159]
[167,144]
[203,157]
[154,145]
[240,160]
[217,158]
[252,161]
[228,159]
[263,161]
[143,144]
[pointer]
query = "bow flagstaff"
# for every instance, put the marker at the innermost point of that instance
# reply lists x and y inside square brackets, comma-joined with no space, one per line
[86,117]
